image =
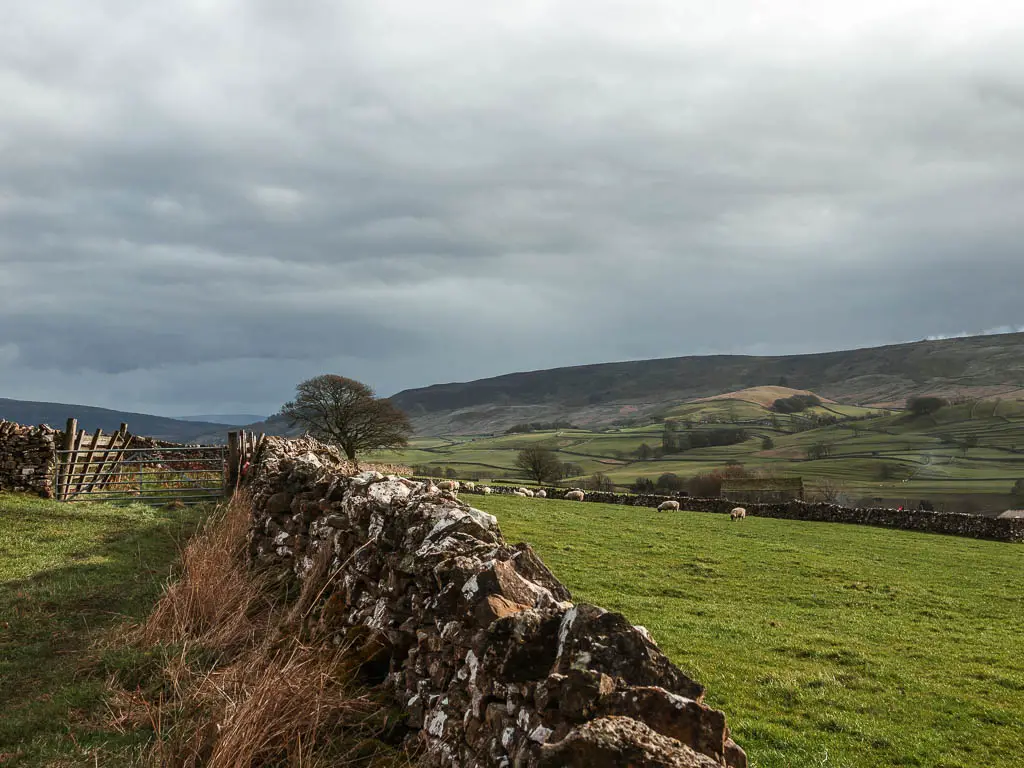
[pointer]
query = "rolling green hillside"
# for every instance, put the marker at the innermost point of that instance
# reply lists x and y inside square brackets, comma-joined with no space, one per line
[974,450]
[609,393]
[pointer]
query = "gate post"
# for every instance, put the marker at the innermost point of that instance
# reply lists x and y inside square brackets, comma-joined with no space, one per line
[64,478]
[234,463]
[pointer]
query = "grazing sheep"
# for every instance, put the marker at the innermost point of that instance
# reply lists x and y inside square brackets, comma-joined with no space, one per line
[519,493]
[575,495]
[486,490]
[738,513]
[541,494]
[469,486]
[525,491]
[667,505]
[449,485]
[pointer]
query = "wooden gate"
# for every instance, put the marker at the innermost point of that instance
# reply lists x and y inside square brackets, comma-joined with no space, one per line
[123,468]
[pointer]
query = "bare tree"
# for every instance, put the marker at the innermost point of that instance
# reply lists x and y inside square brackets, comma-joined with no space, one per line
[346,412]
[831,491]
[540,464]
[599,481]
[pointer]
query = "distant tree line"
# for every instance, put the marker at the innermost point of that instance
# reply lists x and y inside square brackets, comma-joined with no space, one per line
[539,426]
[675,441]
[703,485]
[926,405]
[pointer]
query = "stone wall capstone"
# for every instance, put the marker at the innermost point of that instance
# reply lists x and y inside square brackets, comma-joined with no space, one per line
[479,641]
[27,457]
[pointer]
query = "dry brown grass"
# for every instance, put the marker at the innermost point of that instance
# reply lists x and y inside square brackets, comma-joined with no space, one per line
[238,686]
[763,396]
[216,600]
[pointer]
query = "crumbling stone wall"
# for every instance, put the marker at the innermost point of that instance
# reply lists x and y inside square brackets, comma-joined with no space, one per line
[951,523]
[27,456]
[479,641]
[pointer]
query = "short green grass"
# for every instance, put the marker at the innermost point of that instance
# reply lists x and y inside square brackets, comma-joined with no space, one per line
[825,644]
[69,574]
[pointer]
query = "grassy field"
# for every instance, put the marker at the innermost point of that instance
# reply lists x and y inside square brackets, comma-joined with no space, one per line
[825,644]
[974,449]
[68,575]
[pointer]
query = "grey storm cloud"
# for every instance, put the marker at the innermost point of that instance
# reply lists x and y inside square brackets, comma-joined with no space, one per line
[203,202]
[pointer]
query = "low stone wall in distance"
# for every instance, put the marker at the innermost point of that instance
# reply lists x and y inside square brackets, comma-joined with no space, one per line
[477,640]
[27,456]
[951,523]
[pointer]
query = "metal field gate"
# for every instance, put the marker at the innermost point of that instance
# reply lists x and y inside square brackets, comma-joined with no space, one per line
[123,468]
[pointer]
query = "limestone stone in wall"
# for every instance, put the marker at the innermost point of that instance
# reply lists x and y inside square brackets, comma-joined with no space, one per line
[26,458]
[480,643]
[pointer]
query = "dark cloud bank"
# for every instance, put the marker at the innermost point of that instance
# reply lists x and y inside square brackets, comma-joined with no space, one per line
[202,203]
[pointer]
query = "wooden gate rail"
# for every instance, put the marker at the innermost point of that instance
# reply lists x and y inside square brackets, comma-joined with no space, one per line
[110,468]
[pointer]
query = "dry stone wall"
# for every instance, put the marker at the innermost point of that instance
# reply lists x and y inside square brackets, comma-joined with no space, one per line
[477,640]
[27,456]
[951,523]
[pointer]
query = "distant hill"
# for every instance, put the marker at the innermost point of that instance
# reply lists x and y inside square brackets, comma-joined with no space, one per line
[90,419]
[273,425]
[609,393]
[234,419]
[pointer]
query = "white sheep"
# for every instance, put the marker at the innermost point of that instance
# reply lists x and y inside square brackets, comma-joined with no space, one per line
[667,505]
[469,486]
[519,493]
[541,494]
[525,491]
[738,513]
[449,485]
[574,495]
[486,490]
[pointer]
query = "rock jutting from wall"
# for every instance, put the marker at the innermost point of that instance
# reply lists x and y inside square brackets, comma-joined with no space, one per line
[479,642]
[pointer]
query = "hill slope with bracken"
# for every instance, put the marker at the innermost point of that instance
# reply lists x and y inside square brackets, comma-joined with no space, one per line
[594,395]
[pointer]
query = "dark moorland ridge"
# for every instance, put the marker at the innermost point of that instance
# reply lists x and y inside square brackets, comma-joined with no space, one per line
[91,419]
[609,393]
[612,392]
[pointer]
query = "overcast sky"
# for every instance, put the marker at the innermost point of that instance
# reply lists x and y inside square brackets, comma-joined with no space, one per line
[203,202]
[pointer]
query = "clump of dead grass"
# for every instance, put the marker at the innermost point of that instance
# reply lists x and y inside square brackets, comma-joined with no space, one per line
[216,601]
[239,685]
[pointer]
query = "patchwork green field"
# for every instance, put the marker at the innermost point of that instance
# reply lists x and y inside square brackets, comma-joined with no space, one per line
[69,574]
[974,449]
[825,644]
